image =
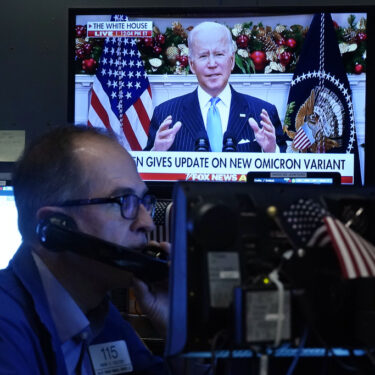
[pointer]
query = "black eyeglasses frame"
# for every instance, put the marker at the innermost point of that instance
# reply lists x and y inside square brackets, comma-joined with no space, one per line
[148,201]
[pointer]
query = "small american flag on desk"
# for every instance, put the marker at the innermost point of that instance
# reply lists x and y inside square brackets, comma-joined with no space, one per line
[308,224]
[121,96]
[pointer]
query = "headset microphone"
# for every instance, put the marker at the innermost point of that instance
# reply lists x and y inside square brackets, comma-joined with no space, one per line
[59,232]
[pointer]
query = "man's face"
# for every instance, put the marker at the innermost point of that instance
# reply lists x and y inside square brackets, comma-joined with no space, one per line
[112,172]
[212,60]
[108,171]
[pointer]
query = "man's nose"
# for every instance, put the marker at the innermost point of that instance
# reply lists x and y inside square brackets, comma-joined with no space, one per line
[211,60]
[143,221]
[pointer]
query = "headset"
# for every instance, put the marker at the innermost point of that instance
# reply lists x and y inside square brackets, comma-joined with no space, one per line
[59,232]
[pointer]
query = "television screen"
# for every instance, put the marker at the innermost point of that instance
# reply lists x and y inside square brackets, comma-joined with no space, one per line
[9,234]
[310,73]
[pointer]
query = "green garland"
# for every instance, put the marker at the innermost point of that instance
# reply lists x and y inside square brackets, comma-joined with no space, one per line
[259,48]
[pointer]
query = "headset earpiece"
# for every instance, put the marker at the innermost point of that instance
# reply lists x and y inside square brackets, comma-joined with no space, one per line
[59,232]
[57,219]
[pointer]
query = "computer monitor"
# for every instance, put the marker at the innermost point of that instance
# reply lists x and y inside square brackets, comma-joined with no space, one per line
[10,237]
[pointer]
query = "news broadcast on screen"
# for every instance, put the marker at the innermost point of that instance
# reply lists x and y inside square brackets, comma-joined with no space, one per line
[310,67]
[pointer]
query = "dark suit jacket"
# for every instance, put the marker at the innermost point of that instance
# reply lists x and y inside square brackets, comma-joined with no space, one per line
[186,109]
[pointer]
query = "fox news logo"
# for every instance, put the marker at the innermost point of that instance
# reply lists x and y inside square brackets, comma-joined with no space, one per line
[228,177]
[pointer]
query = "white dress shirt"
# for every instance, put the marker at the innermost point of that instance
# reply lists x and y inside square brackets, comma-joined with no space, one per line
[223,105]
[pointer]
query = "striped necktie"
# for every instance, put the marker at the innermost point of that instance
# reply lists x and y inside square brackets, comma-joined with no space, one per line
[214,130]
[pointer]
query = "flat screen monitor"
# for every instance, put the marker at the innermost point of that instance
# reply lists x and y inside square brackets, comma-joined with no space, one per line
[9,234]
[124,63]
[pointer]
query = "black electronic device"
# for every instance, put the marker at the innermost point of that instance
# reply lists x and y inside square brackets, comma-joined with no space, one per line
[229,142]
[230,238]
[59,232]
[299,178]
[202,143]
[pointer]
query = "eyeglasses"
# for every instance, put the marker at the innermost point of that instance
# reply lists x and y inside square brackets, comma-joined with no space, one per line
[129,204]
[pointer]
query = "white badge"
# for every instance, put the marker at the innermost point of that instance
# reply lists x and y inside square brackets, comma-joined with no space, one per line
[110,358]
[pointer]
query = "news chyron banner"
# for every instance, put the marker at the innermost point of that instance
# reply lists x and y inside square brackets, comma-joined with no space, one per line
[119,29]
[234,166]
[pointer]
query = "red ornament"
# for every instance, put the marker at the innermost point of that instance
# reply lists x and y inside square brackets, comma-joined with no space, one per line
[80,53]
[80,31]
[160,38]
[285,58]
[242,41]
[259,60]
[89,66]
[291,43]
[183,60]
[280,42]
[361,37]
[148,42]
[358,68]
[157,49]
[87,47]
[335,25]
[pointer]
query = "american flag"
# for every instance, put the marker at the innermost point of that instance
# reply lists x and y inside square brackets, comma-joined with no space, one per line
[121,99]
[163,221]
[320,93]
[303,138]
[308,224]
[355,254]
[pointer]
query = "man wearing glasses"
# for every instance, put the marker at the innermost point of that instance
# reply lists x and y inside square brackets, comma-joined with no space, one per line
[55,317]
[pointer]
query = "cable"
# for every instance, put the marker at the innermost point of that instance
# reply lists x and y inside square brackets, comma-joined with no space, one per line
[370,357]
[274,276]
[299,352]
[218,335]
[332,353]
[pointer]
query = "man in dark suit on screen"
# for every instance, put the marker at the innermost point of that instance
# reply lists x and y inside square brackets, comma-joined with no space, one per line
[214,111]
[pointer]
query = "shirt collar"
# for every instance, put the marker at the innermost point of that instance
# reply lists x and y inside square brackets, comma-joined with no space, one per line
[225,96]
[69,319]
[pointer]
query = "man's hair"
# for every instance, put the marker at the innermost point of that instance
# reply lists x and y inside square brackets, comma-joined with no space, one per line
[209,24]
[49,172]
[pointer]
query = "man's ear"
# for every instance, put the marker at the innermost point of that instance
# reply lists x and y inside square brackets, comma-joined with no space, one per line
[233,59]
[191,64]
[47,211]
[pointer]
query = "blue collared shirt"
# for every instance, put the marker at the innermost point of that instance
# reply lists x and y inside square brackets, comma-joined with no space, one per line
[72,325]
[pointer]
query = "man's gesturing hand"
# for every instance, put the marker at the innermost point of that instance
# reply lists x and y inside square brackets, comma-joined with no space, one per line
[165,136]
[265,136]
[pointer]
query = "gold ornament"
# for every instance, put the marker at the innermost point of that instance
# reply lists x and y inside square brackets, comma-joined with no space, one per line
[178,30]
[268,42]
[350,36]
[79,42]
[172,53]
[361,25]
